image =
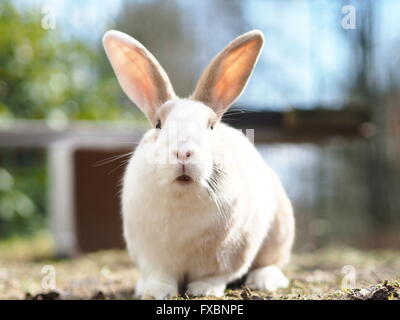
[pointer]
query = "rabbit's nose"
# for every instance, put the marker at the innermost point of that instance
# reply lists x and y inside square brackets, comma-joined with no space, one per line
[183,154]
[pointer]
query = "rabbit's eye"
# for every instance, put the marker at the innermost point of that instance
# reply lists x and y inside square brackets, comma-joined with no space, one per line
[158,124]
[211,124]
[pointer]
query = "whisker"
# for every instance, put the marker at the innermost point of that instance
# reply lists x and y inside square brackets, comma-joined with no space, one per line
[236,110]
[112,159]
[216,193]
[119,166]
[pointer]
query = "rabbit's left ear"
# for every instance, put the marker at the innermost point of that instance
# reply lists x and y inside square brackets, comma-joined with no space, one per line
[227,75]
[139,73]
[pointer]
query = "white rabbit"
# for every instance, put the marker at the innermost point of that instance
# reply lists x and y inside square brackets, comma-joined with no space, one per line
[200,206]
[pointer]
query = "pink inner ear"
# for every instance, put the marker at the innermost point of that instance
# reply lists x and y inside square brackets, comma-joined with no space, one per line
[138,75]
[234,72]
[138,72]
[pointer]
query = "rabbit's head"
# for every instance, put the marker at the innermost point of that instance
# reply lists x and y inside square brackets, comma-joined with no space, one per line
[180,147]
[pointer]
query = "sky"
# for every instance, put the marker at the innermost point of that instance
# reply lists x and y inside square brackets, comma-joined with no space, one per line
[305,56]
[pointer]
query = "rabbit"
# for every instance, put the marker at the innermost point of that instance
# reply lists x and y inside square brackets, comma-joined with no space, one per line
[200,207]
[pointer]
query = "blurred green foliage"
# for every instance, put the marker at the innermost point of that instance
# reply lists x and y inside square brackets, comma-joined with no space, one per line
[44,76]
[22,191]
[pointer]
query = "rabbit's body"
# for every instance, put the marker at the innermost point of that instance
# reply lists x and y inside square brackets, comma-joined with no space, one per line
[185,232]
[216,210]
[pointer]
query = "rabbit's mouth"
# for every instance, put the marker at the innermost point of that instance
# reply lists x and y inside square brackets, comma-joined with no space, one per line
[184,179]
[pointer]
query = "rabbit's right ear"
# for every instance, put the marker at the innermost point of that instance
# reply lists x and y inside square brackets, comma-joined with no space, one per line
[138,72]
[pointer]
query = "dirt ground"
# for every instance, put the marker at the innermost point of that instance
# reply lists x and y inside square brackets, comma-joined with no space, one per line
[27,266]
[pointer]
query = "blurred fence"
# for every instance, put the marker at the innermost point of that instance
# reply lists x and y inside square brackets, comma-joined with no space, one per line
[335,195]
[323,157]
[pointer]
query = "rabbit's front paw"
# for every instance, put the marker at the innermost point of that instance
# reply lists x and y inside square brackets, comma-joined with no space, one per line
[155,289]
[203,288]
[268,278]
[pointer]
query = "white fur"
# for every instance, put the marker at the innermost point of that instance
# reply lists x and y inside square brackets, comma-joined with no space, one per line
[268,278]
[208,235]
[163,225]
